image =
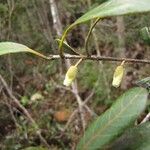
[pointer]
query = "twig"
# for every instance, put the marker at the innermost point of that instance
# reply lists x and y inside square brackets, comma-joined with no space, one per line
[12,114]
[58,27]
[146,118]
[100,63]
[92,113]
[70,120]
[92,92]
[55,84]
[80,104]
[100,58]
[89,97]
[1,87]
[24,110]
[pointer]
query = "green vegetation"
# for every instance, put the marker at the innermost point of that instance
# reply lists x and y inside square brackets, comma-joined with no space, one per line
[39,40]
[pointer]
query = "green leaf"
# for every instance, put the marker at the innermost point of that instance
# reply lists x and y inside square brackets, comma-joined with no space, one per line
[67,48]
[145,33]
[108,9]
[133,139]
[114,121]
[11,47]
[144,83]
[116,8]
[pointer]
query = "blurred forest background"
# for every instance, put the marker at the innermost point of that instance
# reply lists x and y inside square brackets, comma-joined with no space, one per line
[38,83]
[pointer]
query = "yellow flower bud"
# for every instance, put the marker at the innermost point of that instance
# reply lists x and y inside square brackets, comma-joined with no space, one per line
[118,75]
[70,75]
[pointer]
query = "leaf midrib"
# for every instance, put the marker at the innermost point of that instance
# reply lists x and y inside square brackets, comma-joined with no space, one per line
[99,133]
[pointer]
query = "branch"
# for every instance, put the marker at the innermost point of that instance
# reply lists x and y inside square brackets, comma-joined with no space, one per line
[98,58]
[147,118]
[58,27]
[26,113]
[80,104]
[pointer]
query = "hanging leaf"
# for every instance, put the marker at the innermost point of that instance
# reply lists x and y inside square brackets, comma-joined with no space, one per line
[67,48]
[11,47]
[115,120]
[135,138]
[111,8]
[115,8]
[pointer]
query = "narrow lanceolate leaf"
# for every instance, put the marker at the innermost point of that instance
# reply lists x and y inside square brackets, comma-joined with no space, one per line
[116,8]
[11,47]
[108,9]
[115,120]
[67,48]
[144,83]
[136,138]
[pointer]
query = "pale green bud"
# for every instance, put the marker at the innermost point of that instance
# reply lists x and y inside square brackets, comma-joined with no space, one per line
[70,75]
[118,75]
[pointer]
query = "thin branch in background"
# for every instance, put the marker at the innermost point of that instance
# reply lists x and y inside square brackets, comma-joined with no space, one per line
[11,112]
[16,101]
[43,20]
[57,25]
[62,87]
[100,58]
[84,103]
[74,87]
[70,120]
[6,102]
[80,102]
[56,20]
[1,88]
[90,96]
[120,49]
[100,63]
[92,113]
[147,118]
[11,6]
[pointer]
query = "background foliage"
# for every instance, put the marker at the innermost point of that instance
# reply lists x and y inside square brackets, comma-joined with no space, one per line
[37,82]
